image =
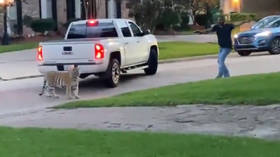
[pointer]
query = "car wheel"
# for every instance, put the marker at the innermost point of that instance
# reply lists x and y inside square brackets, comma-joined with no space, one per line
[244,53]
[152,63]
[275,46]
[112,76]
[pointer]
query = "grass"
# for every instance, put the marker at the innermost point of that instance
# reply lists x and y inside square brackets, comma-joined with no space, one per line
[169,50]
[18,47]
[261,89]
[72,143]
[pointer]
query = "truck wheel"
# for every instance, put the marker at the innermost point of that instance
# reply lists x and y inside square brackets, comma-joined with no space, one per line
[275,46]
[112,76]
[152,63]
[244,53]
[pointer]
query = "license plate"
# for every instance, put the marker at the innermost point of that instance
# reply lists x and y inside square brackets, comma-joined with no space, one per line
[67,53]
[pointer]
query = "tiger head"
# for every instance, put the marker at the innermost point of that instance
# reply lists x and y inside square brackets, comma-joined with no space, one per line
[75,71]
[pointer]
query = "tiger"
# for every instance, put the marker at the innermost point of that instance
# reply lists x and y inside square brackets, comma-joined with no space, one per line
[68,79]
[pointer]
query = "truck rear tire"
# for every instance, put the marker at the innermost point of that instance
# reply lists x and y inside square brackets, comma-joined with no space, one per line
[112,76]
[244,53]
[152,62]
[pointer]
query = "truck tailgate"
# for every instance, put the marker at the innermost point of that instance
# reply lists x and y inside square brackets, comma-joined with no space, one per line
[68,52]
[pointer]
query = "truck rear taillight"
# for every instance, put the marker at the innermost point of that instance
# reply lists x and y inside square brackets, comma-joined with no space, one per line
[39,55]
[99,51]
[92,22]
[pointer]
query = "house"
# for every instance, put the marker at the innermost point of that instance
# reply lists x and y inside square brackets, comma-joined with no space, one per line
[260,7]
[61,11]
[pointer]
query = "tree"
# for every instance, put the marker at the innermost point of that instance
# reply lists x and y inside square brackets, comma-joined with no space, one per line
[202,7]
[147,12]
[151,13]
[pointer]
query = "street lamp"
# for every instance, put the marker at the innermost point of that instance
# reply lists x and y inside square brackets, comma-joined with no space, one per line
[5,4]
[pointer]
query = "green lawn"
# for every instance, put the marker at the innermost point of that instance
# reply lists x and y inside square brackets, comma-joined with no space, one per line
[169,50]
[254,89]
[17,47]
[73,143]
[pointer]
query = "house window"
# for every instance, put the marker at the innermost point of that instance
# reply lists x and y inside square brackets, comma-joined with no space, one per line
[78,9]
[112,9]
[46,9]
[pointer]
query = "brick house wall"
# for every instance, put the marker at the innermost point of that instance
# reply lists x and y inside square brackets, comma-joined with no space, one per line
[101,9]
[61,14]
[125,9]
[32,8]
[260,7]
[1,24]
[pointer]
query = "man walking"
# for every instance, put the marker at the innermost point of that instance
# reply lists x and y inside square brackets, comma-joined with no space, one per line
[223,31]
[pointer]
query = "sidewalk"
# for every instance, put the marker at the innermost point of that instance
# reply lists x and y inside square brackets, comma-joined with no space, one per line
[205,38]
[20,64]
[253,121]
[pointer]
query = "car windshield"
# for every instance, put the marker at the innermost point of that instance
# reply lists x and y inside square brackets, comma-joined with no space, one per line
[78,31]
[273,24]
[264,22]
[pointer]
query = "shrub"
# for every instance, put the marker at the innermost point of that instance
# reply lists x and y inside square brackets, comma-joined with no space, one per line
[43,25]
[201,19]
[236,17]
[27,20]
[169,18]
[185,19]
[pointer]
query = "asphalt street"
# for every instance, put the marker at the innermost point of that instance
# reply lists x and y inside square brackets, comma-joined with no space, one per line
[18,96]
[22,107]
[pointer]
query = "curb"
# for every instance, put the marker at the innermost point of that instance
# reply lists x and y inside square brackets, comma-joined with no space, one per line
[21,78]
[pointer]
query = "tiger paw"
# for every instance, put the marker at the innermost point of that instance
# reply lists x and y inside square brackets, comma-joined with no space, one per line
[70,98]
[77,97]
[56,97]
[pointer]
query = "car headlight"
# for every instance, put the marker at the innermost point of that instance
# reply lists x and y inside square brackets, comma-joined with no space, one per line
[263,34]
[235,36]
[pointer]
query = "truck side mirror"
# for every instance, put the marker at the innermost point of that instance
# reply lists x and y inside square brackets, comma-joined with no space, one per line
[146,32]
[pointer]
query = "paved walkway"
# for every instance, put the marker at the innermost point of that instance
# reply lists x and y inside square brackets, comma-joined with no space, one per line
[205,38]
[260,122]
[19,64]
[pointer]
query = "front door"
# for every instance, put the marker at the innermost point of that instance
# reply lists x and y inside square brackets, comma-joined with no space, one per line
[140,47]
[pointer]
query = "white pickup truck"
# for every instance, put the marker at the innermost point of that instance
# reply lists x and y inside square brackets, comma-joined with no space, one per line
[103,47]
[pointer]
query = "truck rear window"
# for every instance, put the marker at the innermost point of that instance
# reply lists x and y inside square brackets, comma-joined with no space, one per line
[78,31]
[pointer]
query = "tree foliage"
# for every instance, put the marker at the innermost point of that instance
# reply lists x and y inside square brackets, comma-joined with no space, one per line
[170,13]
[152,13]
[199,7]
